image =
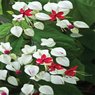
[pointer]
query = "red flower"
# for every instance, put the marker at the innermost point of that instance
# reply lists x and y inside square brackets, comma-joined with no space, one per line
[55,15]
[26,12]
[55,66]
[71,71]
[18,72]
[44,59]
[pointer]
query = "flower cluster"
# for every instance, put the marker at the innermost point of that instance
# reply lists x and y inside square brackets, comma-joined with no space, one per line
[53,61]
[33,14]
[33,64]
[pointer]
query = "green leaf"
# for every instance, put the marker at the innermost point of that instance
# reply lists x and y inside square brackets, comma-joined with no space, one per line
[5,29]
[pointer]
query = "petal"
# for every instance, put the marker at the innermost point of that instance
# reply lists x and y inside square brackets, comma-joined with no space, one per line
[35,5]
[48,42]
[58,52]
[9,67]
[76,35]
[65,4]
[64,61]
[80,24]
[18,5]
[29,32]
[25,59]
[39,25]
[46,90]
[42,16]
[71,80]
[6,59]
[28,89]
[3,74]
[12,80]
[31,70]
[44,76]
[5,90]
[55,79]
[50,6]
[29,49]
[16,31]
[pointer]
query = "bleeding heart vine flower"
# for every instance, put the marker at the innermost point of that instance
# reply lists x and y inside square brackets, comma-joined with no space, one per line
[5,48]
[4,91]
[48,42]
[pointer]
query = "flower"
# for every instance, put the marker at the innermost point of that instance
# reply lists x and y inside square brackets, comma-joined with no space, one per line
[48,42]
[54,15]
[39,25]
[16,31]
[28,89]
[4,91]
[14,66]
[71,71]
[44,60]
[29,49]
[47,90]
[39,53]
[29,32]
[12,80]
[3,74]
[31,70]
[18,17]
[58,52]
[54,67]
[64,61]
[26,12]
[35,5]
[5,47]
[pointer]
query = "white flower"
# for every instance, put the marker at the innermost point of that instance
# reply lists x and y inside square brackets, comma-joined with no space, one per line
[4,91]
[64,61]
[55,79]
[14,66]
[5,47]
[29,49]
[80,24]
[31,70]
[47,90]
[39,25]
[51,6]
[48,42]
[39,53]
[25,59]
[12,80]
[42,16]
[6,59]
[44,76]
[28,89]
[20,5]
[58,52]
[75,32]
[18,17]
[65,4]
[35,5]
[63,23]
[72,80]
[29,32]
[3,74]
[16,31]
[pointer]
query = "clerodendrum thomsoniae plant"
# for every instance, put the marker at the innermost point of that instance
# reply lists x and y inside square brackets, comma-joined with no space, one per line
[23,69]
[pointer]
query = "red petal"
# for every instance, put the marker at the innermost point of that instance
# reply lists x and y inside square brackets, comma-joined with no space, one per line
[43,57]
[60,15]
[21,11]
[48,60]
[39,61]
[71,72]
[28,12]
